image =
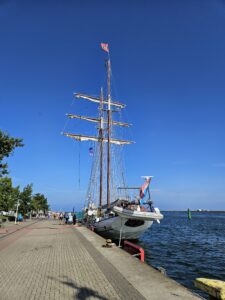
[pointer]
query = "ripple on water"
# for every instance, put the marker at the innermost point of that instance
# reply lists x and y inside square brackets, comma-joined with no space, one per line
[187,249]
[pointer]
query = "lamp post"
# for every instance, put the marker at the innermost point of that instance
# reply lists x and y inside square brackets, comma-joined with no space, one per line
[17,206]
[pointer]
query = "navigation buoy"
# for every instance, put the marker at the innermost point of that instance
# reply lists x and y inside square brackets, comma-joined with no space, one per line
[189,214]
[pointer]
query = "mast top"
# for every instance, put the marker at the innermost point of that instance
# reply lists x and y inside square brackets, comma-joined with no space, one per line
[105,47]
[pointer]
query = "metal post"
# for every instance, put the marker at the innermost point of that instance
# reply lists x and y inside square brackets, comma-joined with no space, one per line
[121,230]
[17,206]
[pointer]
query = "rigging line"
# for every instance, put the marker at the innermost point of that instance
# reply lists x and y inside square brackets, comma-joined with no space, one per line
[92,185]
[123,116]
[94,172]
[123,167]
[120,165]
[123,170]
[67,119]
[89,189]
[95,179]
[65,125]
[117,170]
[113,85]
[79,165]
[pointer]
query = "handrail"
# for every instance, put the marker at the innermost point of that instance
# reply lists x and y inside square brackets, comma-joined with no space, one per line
[130,247]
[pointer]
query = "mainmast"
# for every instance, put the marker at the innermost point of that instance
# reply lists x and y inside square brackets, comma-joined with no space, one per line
[101,149]
[109,133]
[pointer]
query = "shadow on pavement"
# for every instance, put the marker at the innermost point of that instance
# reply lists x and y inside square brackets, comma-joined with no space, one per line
[81,293]
[84,292]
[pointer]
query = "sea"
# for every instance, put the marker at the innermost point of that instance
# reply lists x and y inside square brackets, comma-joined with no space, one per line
[187,249]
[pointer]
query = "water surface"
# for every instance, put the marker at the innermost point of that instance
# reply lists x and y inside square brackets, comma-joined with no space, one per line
[187,249]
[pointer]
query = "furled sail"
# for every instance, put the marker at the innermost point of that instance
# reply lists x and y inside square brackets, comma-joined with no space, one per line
[98,100]
[71,116]
[82,138]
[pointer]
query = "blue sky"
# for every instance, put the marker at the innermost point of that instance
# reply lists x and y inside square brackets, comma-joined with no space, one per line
[168,63]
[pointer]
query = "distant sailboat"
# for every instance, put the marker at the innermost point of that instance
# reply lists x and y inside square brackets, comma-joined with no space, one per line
[117,217]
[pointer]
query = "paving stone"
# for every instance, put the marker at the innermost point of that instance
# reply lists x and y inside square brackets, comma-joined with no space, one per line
[52,261]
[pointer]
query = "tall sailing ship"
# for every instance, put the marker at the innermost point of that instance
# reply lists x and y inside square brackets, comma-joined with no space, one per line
[116,215]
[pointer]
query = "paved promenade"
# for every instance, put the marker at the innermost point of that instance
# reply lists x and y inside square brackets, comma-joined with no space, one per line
[50,261]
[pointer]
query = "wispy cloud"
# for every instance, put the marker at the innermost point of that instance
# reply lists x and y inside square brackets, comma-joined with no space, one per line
[219,165]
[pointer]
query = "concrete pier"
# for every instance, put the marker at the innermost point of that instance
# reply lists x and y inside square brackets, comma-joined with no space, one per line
[50,261]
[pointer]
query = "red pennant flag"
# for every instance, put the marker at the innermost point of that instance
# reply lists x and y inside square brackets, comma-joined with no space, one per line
[105,47]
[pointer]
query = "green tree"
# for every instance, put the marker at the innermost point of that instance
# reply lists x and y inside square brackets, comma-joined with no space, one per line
[25,199]
[39,202]
[7,146]
[8,194]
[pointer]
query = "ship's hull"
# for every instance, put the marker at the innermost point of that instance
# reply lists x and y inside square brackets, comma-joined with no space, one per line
[115,226]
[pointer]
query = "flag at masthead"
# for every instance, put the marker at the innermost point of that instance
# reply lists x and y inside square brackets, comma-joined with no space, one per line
[105,47]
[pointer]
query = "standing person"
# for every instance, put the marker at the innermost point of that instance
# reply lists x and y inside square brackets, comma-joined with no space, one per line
[74,219]
[60,218]
[66,218]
